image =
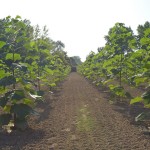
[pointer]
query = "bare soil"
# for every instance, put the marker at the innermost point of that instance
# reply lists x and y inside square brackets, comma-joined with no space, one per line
[78,116]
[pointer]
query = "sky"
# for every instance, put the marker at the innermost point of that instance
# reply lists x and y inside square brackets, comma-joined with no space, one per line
[80,24]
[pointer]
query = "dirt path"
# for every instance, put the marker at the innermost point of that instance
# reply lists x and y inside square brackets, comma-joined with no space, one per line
[78,117]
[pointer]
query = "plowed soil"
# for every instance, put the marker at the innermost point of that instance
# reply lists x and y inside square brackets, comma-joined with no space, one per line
[77,117]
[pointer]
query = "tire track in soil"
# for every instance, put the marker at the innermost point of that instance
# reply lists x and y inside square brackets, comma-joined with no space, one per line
[82,119]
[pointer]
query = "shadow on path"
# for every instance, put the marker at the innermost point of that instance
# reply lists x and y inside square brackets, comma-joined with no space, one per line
[17,139]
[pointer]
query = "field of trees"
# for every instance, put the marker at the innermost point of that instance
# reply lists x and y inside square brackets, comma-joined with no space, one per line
[123,61]
[75,114]
[29,60]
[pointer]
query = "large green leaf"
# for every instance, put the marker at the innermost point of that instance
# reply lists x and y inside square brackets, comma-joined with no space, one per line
[2,73]
[7,108]
[2,43]
[32,43]
[111,86]
[5,119]
[145,41]
[3,101]
[139,80]
[147,65]
[9,80]
[28,87]
[49,71]
[18,95]
[22,110]
[52,84]
[146,97]
[119,90]
[28,101]
[10,56]
[8,30]
[136,100]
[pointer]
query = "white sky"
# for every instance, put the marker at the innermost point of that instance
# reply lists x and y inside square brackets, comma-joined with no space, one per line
[80,24]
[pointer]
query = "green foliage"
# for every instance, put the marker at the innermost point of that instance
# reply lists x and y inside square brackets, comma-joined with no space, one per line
[146,97]
[136,100]
[8,80]
[29,60]
[125,59]
[117,90]
[11,57]
[2,43]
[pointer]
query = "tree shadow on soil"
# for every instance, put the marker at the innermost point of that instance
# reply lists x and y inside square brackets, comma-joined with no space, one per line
[132,111]
[47,108]
[128,111]
[18,139]
[47,105]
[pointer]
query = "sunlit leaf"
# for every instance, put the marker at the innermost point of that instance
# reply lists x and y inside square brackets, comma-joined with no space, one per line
[2,73]
[8,80]
[2,43]
[147,65]
[145,41]
[32,43]
[136,100]
[12,56]
[28,101]
[52,84]
[7,108]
